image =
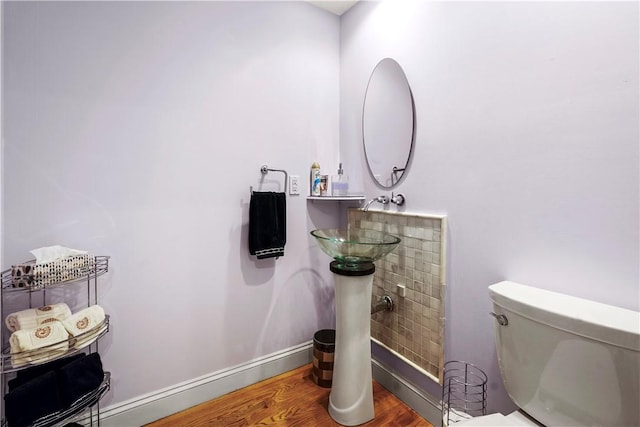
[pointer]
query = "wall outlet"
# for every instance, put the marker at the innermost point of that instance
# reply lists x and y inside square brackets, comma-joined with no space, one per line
[294,187]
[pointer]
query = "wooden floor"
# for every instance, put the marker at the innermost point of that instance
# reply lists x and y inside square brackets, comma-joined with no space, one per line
[290,399]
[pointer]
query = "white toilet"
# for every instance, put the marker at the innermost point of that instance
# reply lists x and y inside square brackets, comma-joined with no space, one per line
[564,361]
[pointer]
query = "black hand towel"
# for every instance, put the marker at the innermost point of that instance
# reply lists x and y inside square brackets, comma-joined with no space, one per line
[267,224]
[52,387]
[26,375]
[32,400]
[80,377]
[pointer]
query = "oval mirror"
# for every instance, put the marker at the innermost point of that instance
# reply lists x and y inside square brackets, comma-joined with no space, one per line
[388,123]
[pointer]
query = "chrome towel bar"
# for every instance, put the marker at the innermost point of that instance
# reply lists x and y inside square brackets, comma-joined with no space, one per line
[265,170]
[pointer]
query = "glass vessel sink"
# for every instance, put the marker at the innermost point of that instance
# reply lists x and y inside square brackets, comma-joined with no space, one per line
[352,248]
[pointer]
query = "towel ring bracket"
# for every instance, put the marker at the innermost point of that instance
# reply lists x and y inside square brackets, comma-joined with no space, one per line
[265,170]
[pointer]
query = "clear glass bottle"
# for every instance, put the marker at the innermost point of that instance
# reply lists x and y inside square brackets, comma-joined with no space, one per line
[340,183]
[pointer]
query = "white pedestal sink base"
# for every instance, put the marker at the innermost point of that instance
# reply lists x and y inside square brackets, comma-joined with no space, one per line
[351,398]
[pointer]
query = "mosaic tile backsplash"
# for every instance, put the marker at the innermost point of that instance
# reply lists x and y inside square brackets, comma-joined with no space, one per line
[415,328]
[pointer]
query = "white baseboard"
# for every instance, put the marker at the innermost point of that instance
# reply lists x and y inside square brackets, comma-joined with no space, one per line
[421,402]
[159,404]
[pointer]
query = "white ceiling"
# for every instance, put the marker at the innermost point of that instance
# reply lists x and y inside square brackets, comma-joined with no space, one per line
[334,6]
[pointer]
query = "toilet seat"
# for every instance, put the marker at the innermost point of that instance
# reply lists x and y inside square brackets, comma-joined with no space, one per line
[514,419]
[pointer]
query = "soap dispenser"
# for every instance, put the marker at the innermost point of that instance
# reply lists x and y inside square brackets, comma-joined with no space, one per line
[340,183]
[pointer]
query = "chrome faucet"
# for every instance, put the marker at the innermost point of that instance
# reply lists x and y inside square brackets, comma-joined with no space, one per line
[398,199]
[380,199]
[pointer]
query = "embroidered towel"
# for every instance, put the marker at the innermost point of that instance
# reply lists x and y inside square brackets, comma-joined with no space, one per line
[38,345]
[83,323]
[34,317]
[267,224]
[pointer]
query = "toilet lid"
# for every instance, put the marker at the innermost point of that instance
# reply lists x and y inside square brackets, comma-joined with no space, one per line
[515,419]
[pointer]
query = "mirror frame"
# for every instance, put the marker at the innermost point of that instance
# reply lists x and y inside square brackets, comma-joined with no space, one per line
[397,172]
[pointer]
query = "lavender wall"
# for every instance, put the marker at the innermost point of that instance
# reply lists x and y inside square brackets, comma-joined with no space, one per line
[135,129]
[527,139]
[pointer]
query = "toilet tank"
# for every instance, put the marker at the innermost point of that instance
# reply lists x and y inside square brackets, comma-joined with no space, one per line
[567,361]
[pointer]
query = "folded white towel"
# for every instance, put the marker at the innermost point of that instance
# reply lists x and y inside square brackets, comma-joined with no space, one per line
[87,338]
[86,325]
[52,253]
[34,317]
[38,345]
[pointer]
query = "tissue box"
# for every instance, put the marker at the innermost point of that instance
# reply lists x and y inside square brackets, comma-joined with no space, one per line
[32,275]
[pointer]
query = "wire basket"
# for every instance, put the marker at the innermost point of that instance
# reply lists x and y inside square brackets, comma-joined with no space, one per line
[464,392]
